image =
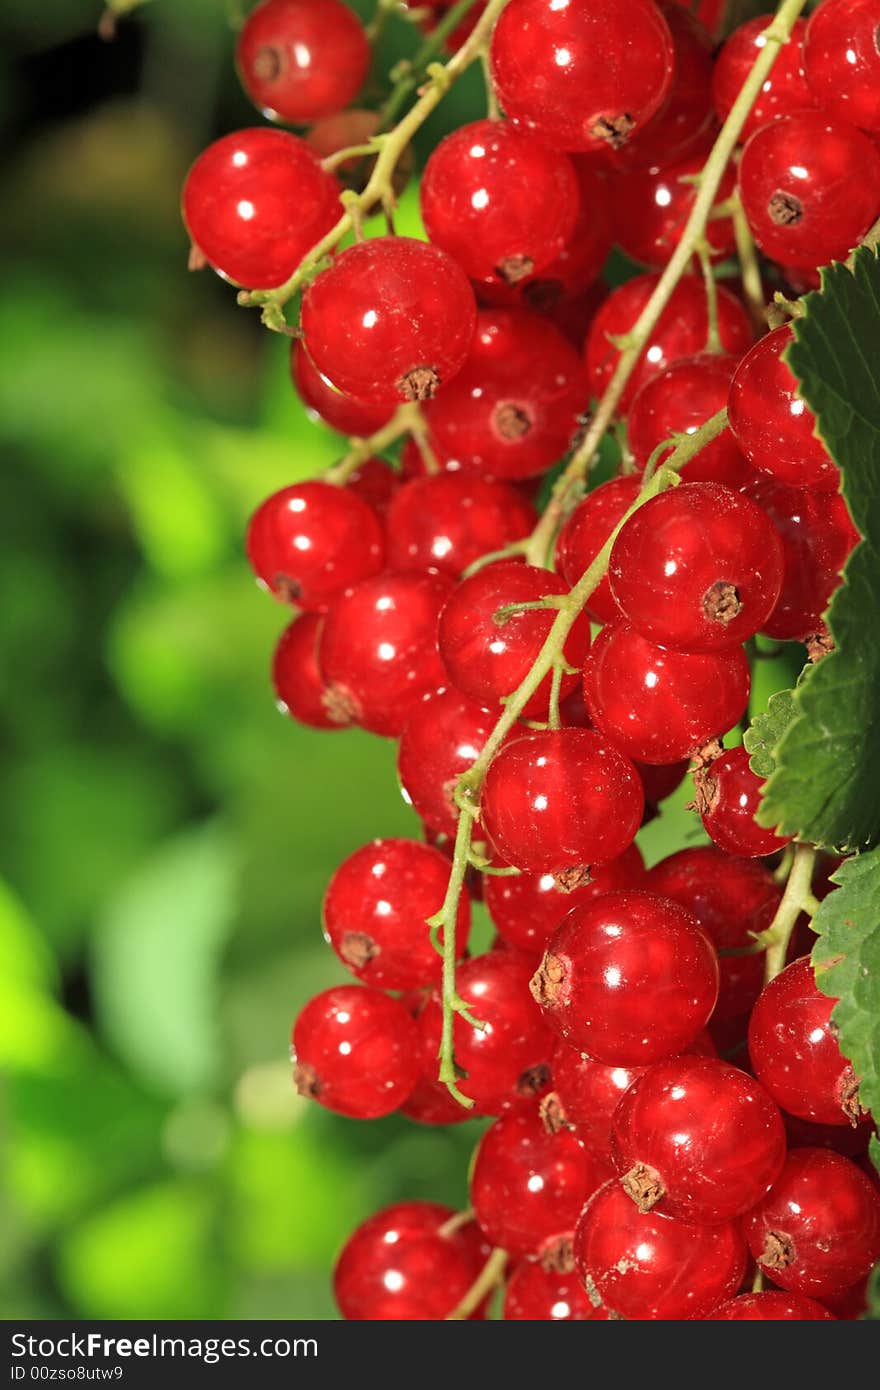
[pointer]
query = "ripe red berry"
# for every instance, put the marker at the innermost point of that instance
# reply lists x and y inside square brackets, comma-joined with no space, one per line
[783,92]
[528,1185]
[376,483]
[376,909]
[301,59]
[794,1050]
[431,1103]
[355,1051]
[818,1229]
[255,203]
[698,567]
[378,651]
[678,401]
[583,77]
[728,797]
[772,424]
[586,531]
[508,1060]
[770,1306]
[298,682]
[446,521]
[810,188]
[681,331]
[586,1094]
[660,705]
[391,320]
[443,737]
[698,1139]
[650,207]
[409,1262]
[536,1294]
[561,800]
[320,396]
[487,657]
[661,781]
[499,201]
[310,542]
[647,1267]
[842,60]
[629,979]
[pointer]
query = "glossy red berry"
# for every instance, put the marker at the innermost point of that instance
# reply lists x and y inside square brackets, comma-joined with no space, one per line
[378,651]
[586,1094]
[301,59]
[810,188]
[650,207]
[536,1294]
[771,1306]
[487,656]
[681,331]
[660,705]
[391,320]
[842,60]
[561,800]
[310,542]
[255,203]
[783,92]
[728,797]
[376,483]
[446,521]
[320,396]
[699,568]
[818,1229]
[661,781]
[431,1102]
[586,531]
[697,1139]
[646,1267]
[409,1262]
[794,1050]
[529,1183]
[298,682]
[678,401]
[355,1051]
[376,909]
[771,422]
[499,201]
[509,1059]
[629,979]
[443,737]
[581,76]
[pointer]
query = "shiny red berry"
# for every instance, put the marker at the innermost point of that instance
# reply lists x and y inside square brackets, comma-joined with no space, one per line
[321,398]
[446,521]
[650,207]
[560,800]
[355,1051]
[770,1306]
[810,188]
[678,401]
[537,1294]
[629,979]
[728,797]
[842,60]
[659,705]
[378,652]
[586,1094]
[298,682]
[310,542]
[391,320]
[661,781]
[586,531]
[376,483]
[301,59]
[255,203]
[443,737]
[783,92]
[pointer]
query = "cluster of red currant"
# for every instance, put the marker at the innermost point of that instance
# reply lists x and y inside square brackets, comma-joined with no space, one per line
[629,1171]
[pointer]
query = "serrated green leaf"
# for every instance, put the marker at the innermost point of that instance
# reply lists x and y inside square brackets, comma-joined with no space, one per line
[826,787]
[846,959]
[767,729]
[872,1310]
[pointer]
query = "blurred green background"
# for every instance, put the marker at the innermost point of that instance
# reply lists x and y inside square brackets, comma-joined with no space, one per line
[165,835]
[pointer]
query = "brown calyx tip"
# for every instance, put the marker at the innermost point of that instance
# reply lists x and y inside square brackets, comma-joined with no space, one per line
[567,880]
[510,420]
[306,1080]
[552,1113]
[286,588]
[778,1251]
[705,791]
[268,63]
[549,982]
[419,384]
[850,1103]
[785,209]
[818,644]
[644,1185]
[533,1079]
[197,260]
[613,130]
[557,1255]
[722,603]
[514,268]
[340,704]
[706,753]
[357,949]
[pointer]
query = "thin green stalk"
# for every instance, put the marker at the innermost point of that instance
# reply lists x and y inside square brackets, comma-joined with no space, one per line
[415,70]
[753,286]
[488,1279]
[797,898]
[713,332]
[407,419]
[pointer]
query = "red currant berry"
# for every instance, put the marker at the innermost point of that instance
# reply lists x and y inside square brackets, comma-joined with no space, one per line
[355,1051]
[584,534]
[629,979]
[509,1059]
[650,207]
[376,909]
[681,330]
[586,1094]
[659,705]
[770,1306]
[560,800]
[376,483]
[255,203]
[818,1229]
[410,1262]
[529,1184]
[378,651]
[583,77]
[391,320]
[446,521]
[794,1050]
[298,682]
[310,542]
[772,424]
[431,1102]
[728,797]
[698,567]
[678,401]
[536,1294]
[301,59]
[499,201]
[661,781]
[321,398]
[698,1137]
[649,1268]
[444,736]
[782,93]
[850,1141]
[810,188]
[488,650]
[842,60]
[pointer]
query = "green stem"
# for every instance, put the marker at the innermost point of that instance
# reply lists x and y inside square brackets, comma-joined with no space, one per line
[713,333]
[488,1279]
[445,920]
[555,690]
[381,15]
[407,419]
[747,253]
[415,70]
[797,898]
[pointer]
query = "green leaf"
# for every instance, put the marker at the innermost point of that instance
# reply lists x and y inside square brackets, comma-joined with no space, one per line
[826,786]
[767,729]
[872,1311]
[846,958]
